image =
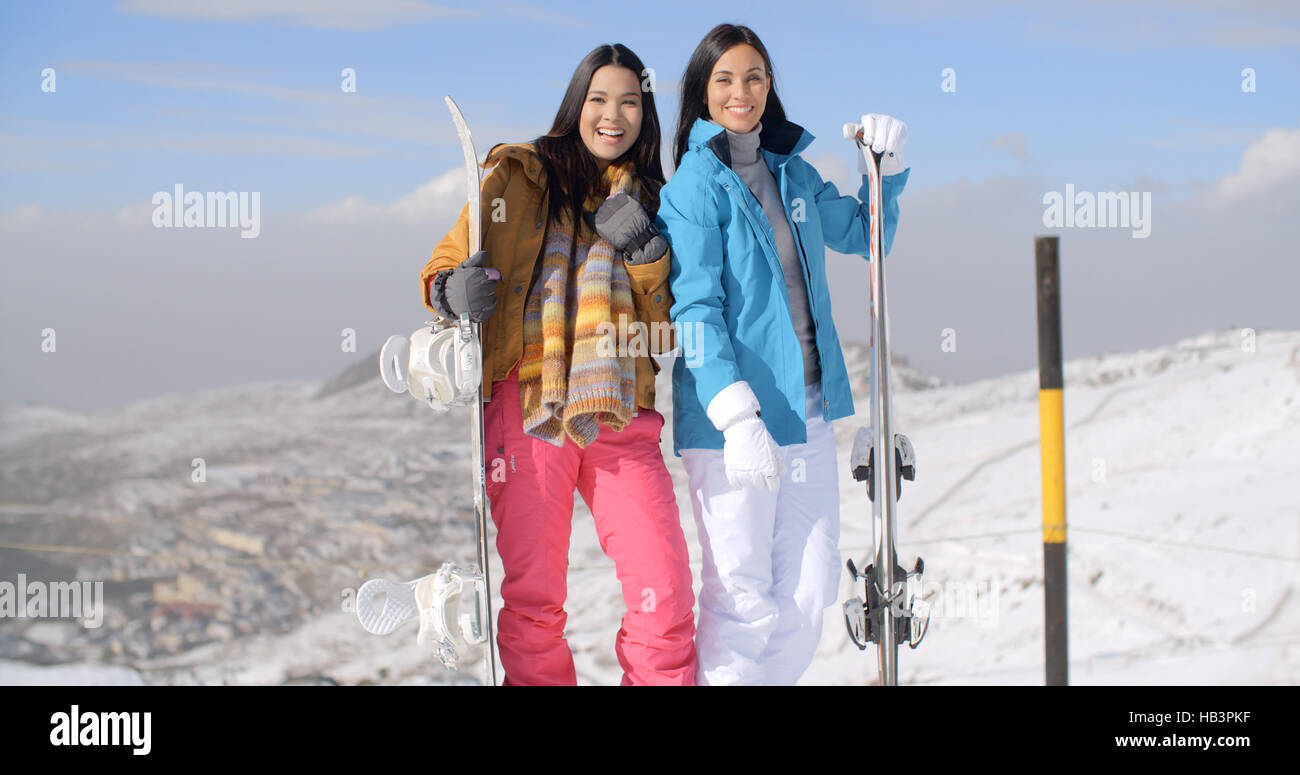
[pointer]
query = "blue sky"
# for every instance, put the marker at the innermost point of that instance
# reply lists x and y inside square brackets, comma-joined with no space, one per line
[244,95]
[1106,95]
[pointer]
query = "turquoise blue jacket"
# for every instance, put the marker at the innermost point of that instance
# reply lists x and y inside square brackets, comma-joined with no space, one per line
[731,305]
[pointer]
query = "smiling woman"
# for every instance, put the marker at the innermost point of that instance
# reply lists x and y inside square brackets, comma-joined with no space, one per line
[729,80]
[749,221]
[581,265]
[738,88]
[611,116]
[603,98]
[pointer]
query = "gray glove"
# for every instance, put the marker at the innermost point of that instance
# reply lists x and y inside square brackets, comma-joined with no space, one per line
[623,222]
[467,288]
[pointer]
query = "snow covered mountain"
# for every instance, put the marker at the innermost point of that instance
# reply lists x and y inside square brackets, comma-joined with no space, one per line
[230,527]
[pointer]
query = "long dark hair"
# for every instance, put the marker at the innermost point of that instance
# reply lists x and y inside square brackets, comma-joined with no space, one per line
[695,81]
[571,172]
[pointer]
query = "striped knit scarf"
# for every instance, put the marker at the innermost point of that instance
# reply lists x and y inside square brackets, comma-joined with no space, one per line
[571,377]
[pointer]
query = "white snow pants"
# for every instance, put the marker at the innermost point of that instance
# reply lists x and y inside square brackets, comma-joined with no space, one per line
[771,560]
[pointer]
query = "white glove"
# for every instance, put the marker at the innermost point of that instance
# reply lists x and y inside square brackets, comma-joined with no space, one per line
[752,456]
[884,134]
[749,452]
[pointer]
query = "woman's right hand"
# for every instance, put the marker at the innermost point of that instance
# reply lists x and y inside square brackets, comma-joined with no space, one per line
[469,288]
[749,452]
[751,455]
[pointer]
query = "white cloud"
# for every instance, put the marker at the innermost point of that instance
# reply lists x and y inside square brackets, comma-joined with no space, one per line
[46,152]
[332,14]
[420,121]
[1119,24]
[962,260]
[424,130]
[22,217]
[185,75]
[541,13]
[834,169]
[439,199]
[135,216]
[1257,37]
[263,145]
[1203,135]
[1012,143]
[1266,163]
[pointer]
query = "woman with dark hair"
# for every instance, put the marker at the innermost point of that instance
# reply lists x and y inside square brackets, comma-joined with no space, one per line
[568,230]
[749,222]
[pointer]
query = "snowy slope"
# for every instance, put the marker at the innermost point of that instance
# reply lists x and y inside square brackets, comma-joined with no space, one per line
[1184,543]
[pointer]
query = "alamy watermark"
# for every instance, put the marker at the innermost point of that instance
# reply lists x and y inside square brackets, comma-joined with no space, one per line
[53,600]
[96,728]
[951,600]
[1105,209]
[212,209]
[635,338]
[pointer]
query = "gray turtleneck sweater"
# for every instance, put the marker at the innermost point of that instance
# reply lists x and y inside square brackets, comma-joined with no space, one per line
[747,161]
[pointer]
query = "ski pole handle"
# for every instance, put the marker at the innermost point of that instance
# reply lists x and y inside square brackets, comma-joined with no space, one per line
[854,132]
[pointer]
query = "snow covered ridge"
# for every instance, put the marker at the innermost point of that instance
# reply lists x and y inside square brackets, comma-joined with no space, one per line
[857,359]
[1184,539]
[1225,346]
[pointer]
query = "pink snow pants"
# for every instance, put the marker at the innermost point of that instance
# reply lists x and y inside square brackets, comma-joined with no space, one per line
[623,480]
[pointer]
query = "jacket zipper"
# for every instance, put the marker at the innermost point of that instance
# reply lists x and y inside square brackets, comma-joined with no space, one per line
[781,186]
[807,281]
[753,222]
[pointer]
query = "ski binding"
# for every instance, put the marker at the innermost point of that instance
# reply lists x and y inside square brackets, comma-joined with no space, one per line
[861,617]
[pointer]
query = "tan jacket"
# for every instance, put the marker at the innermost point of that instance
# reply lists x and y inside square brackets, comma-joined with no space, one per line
[513,204]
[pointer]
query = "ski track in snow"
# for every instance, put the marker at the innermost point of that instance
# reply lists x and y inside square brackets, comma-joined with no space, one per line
[1004,454]
[1184,529]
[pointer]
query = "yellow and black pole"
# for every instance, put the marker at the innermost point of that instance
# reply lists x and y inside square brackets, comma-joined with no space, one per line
[1051,422]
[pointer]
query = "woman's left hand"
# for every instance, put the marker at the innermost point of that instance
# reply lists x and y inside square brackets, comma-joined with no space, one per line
[885,134]
[623,222]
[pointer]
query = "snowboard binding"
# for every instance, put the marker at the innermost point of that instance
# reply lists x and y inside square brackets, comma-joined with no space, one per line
[437,364]
[451,606]
[444,622]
